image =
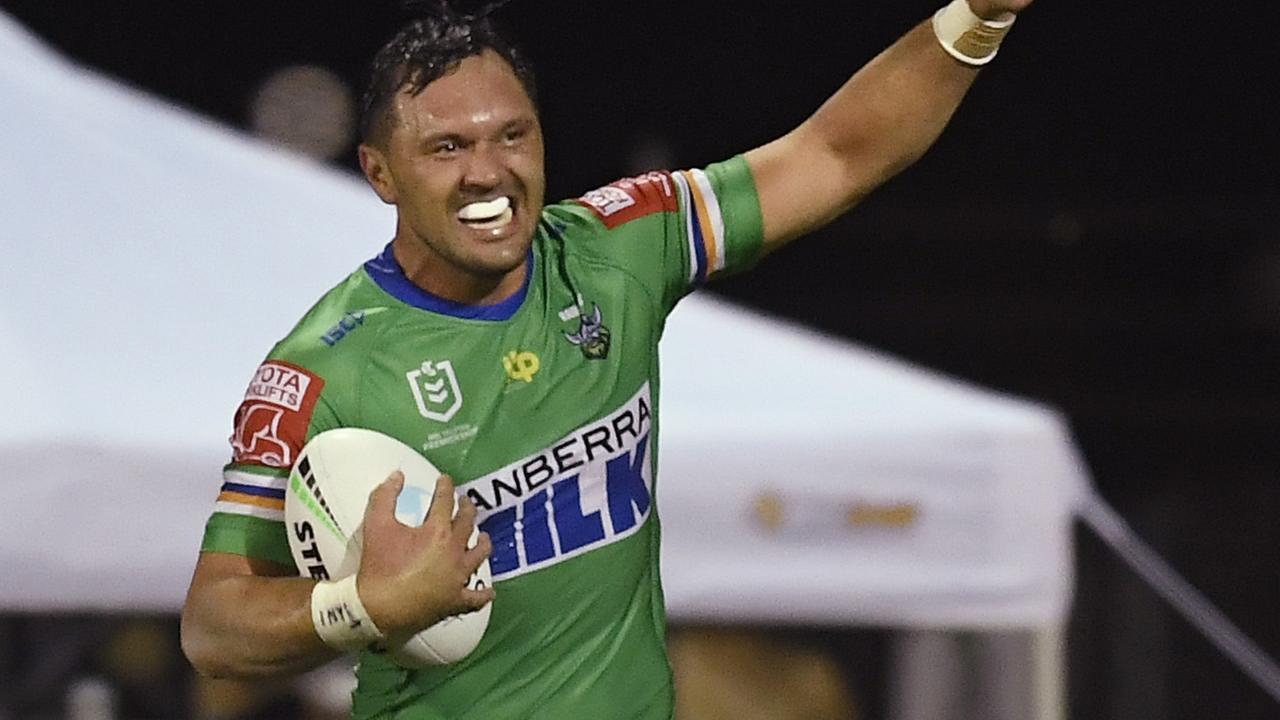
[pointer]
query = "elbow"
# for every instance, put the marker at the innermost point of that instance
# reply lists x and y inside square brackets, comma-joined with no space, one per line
[210,661]
[206,648]
[216,653]
[864,162]
[207,666]
[199,647]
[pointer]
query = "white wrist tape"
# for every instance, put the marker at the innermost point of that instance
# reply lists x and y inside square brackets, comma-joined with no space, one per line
[967,37]
[340,618]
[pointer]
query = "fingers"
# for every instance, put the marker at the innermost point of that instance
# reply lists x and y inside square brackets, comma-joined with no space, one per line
[475,599]
[465,521]
[476,555]
[441,512]
[382,501]
[484,593]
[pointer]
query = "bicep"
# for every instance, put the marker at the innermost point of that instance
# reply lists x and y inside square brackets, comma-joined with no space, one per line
[802,185]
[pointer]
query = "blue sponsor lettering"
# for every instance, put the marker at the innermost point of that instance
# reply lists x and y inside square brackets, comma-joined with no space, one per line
[348,323]
[583,450]
[590,488]
[627,491]
[502,533]
[558,522]
[574,528]
[535,530]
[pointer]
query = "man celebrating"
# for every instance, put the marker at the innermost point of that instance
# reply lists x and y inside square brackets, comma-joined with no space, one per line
[516,346]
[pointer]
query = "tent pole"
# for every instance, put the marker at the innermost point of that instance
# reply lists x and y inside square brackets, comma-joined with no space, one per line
[1049,684]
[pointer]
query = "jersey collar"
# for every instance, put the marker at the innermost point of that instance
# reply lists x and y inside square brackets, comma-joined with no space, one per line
[386,272]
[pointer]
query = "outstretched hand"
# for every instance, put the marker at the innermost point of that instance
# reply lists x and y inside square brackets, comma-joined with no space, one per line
[993,9]
[413,577]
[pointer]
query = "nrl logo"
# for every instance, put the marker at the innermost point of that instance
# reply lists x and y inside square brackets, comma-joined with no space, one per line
[592,336]
[435,388]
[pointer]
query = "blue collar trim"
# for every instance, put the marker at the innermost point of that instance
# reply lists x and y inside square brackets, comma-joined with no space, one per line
[387,273]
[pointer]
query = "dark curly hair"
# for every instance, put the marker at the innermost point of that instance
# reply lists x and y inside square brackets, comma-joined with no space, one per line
[426,49]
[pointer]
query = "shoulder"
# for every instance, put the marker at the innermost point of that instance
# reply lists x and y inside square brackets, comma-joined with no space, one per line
[309,380]
[327,350]
[624,201]
[346,320]
[617,224]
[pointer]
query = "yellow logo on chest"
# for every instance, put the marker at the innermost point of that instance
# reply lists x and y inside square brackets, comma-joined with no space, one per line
[521,365]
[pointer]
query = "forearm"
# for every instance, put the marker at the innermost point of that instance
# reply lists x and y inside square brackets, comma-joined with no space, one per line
[879,122]
[252,626]
[891,111]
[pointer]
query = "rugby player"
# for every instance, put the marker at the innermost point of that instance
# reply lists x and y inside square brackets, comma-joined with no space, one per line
[515,344]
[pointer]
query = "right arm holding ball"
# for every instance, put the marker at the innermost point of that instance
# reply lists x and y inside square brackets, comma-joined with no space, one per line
[246,617]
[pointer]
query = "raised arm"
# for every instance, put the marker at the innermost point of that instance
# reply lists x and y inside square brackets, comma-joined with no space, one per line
[879,122]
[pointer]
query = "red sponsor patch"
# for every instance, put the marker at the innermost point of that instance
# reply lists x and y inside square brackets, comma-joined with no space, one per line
[625,200]
[271,424]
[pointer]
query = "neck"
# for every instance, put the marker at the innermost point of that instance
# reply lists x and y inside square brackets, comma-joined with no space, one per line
[439,277]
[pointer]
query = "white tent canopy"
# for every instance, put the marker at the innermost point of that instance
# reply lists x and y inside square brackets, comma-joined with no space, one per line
[151,258]
[808,480]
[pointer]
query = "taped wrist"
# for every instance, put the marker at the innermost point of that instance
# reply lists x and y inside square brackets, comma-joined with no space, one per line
[340,618]
[967,37]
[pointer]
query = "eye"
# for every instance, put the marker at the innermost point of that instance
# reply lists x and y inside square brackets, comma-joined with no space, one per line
[445,147]
[514,135]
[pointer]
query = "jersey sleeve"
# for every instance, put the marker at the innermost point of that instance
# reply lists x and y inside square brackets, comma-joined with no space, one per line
[284,405]
[679,229]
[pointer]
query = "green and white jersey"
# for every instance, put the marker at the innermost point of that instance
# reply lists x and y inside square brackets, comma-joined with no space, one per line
[544,409]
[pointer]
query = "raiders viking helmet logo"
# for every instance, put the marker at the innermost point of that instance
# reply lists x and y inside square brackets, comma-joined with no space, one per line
[592,336]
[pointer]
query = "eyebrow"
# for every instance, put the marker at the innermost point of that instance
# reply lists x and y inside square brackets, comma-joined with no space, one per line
[522,123]
[436,137]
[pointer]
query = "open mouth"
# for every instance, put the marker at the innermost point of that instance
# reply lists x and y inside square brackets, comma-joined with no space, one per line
[487,215]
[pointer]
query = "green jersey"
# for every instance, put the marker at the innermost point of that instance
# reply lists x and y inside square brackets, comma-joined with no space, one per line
[543,408]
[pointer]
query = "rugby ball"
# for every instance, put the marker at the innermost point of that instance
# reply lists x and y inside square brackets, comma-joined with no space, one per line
[324,507]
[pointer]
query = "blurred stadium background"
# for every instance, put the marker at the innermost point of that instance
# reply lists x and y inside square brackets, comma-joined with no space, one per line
[1099,230]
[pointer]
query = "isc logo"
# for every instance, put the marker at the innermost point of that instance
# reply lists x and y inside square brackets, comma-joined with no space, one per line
[348,323]
[592,488]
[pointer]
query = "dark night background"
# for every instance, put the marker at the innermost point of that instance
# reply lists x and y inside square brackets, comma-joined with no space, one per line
[1099,229]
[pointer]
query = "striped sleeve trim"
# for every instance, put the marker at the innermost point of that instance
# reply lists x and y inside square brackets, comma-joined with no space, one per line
[260,496]
[704,224]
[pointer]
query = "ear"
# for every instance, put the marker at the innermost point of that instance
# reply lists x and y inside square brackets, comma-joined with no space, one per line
[378,172]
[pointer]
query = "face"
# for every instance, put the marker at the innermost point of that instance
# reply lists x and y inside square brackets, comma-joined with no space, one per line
[463,163]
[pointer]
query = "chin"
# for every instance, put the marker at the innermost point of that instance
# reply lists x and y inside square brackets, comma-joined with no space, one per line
[501,265]
[509,256]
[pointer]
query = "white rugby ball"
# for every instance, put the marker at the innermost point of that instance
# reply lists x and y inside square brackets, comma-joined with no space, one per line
[324,507]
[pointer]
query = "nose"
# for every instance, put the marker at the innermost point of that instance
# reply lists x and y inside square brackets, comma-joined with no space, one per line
[483,170]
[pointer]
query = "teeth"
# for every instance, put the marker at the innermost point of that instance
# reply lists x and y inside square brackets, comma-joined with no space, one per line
[485,211]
